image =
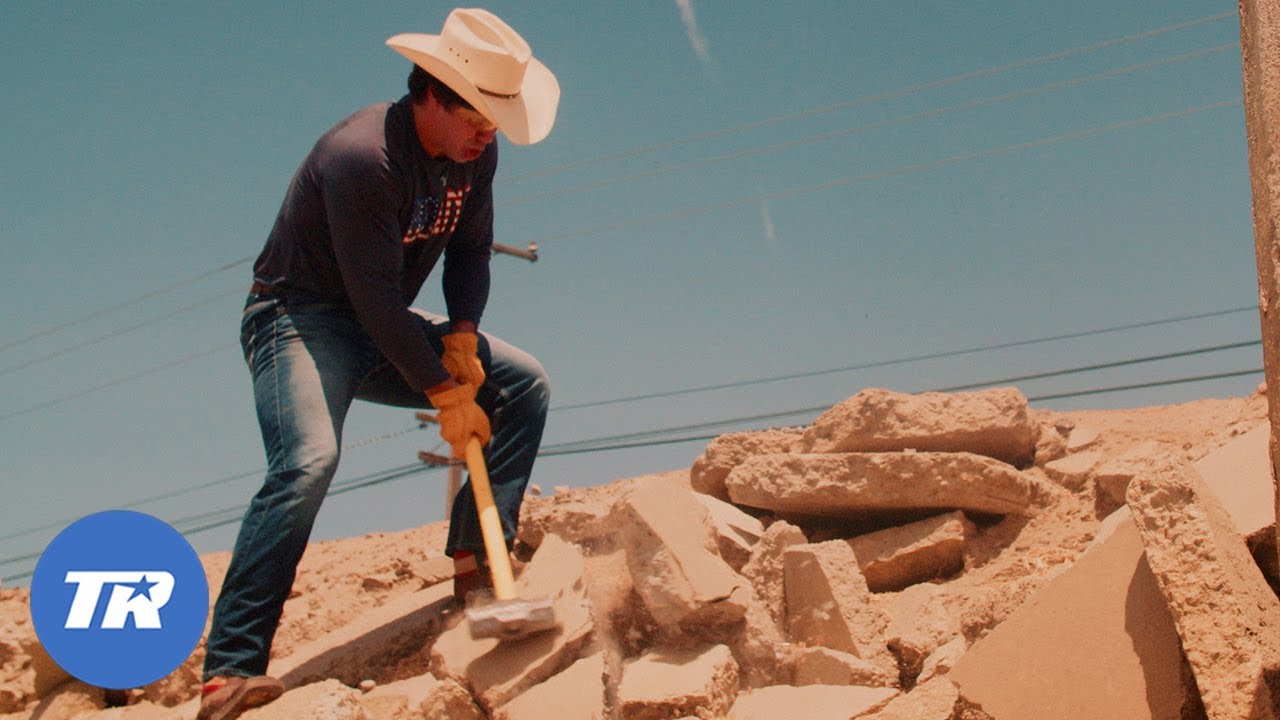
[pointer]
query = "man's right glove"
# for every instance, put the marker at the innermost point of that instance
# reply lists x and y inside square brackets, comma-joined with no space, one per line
[461,358]
[460,418]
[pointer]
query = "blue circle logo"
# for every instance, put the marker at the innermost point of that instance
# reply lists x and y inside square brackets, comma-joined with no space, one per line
[119,599]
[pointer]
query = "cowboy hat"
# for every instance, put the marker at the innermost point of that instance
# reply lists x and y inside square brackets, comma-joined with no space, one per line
[489,65]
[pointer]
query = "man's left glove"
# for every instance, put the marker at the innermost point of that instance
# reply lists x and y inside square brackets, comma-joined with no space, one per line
[461,358]
[460,418]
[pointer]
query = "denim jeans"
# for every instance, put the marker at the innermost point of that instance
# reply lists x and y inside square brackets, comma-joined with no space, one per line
[309,361]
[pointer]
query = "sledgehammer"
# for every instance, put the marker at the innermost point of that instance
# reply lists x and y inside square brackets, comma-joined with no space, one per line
[506,617]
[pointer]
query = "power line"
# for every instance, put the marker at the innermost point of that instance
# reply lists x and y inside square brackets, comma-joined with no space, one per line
[844,132]
[909,359]
[880,175]
[127,303]
[133,376]
[117,333]
[889,95]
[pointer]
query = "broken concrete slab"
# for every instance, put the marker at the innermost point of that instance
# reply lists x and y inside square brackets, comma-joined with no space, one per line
[933,700]
[727,451]
[578,693]
[764,569]
[673,561]
[327,700]
[994,423]
[894,558]
[1097,639]
[736,532]
[1073,471]
[376,640]
[667,683]
[824,666]
[1113,476]
[919,624]
[852,485]
[70,700]
[829,605]
[1224,611]
[941,661]
[497,672]
[1107,647]
[581,515]
[420,697]
[814,702]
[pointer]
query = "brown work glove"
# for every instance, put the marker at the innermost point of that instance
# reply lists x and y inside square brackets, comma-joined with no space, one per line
[461,360]
[460,418]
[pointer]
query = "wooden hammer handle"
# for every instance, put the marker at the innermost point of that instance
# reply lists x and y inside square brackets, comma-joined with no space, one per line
[495,543]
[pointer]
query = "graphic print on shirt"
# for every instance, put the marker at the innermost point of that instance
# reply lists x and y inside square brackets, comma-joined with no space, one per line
[429,219]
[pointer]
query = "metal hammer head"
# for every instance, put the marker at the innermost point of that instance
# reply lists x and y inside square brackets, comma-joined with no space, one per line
[511,619]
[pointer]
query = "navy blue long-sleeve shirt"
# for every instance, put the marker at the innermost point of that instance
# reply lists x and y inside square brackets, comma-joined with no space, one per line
[365,219]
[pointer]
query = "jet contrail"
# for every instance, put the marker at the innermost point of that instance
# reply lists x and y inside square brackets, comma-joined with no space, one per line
[695,36]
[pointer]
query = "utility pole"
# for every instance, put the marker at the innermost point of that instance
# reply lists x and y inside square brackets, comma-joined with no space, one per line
[1260,63]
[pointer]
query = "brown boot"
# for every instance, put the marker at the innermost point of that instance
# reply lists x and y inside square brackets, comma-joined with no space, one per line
[469,576]
[224,698]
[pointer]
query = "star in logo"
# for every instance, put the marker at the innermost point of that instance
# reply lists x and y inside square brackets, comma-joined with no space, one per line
[142,587]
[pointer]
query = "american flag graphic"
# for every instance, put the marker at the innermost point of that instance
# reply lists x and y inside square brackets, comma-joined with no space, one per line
[431,219]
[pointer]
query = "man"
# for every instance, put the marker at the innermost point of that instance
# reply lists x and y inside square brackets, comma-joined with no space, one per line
[379,199]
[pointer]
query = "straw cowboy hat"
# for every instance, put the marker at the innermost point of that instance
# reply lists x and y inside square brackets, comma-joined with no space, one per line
[489,65]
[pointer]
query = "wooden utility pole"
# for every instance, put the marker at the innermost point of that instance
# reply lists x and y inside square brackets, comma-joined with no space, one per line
[1260,56]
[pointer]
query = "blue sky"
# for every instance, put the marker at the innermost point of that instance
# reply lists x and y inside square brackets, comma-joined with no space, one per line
[732,192]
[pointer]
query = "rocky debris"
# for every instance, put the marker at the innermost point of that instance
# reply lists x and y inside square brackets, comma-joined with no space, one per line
[994,423]
[764,569]
[325,700]
[1073,471]
[824,666]
[816,702]
[578,693]
[498,672]
[736,532]
[678,574]
[895,558]
[777,603]
[670,683]
[726,452]
[1224,611]
[370,645]
[852,484]
[829,605]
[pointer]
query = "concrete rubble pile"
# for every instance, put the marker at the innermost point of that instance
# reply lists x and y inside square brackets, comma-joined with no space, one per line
[836,571]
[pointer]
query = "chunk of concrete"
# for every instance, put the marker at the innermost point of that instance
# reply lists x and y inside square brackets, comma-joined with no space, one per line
[668,683]
[1224,611]
[1112,477]
[994,423]
[497,672]
[813,702]
[373,641]
[941,661]
[673,561]
[70,700]
[1097,639]
[1106,646]
[327,700]
[853,485]
[894,558]
[829,605]
[736,532]
[919,624]
[824,666]
[764,569]
[933,700]
[420,697]
[1073,471]
[726,452]
[581,515]
[578,693]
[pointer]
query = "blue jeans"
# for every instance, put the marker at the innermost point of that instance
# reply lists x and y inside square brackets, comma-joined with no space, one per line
[309,361]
